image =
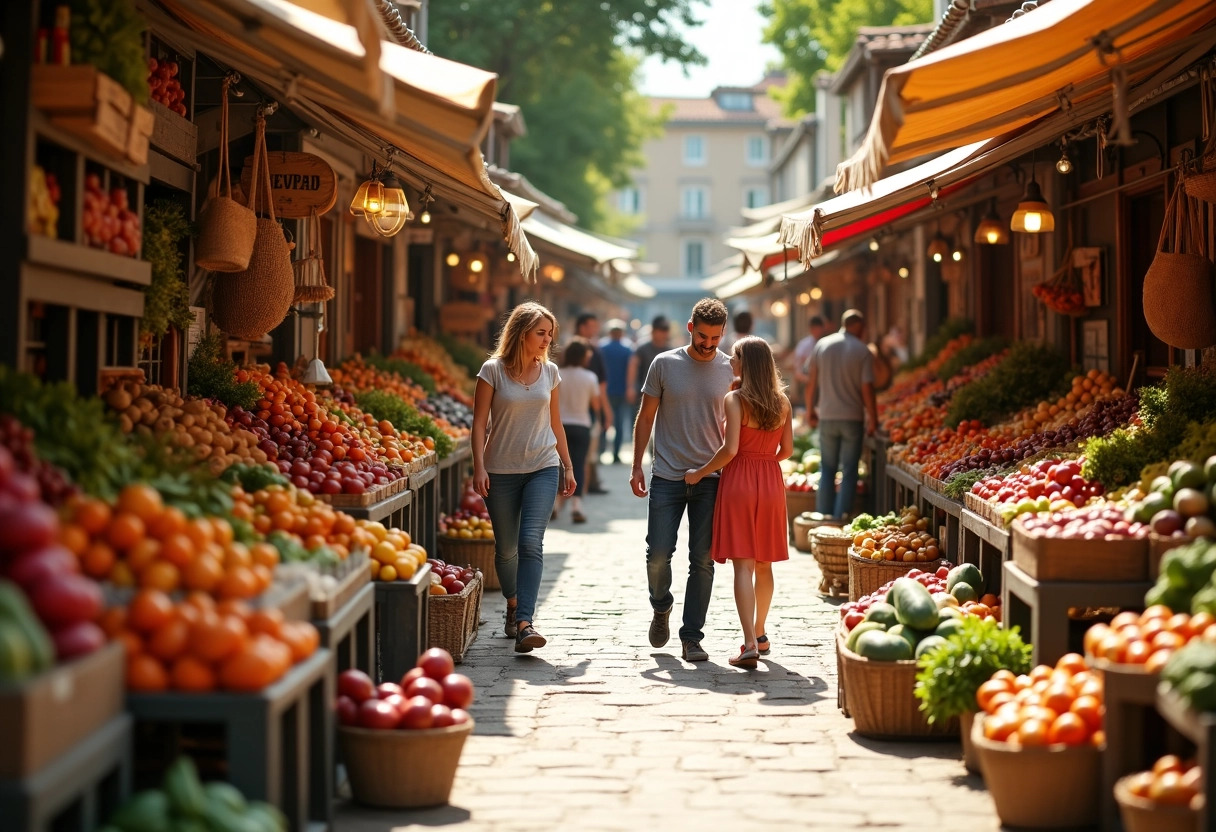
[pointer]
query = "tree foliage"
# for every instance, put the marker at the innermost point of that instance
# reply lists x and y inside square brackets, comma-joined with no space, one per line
[817,35]
[570,68]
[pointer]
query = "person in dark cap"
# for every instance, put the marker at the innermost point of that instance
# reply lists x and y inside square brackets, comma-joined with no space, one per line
[639,365]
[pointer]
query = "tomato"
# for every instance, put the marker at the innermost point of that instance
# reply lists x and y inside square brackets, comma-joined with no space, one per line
[437,662]
[378,714]
[347,711]
[425,686]
[386,689]
[418,713]
[357,685]
[457,690]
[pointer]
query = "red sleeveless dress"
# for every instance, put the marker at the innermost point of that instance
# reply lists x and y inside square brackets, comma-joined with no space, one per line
[749,516]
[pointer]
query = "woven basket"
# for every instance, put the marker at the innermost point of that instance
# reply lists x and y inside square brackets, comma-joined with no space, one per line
[250,303]
[797,502]
[831,551]
[1202,186]
[1178,286]
[802,533]
[879,698]
[1048,787]
[866,576]
[310,271]
[478,554]
[452,619]
[1142,815]
[402,769]
[226,228]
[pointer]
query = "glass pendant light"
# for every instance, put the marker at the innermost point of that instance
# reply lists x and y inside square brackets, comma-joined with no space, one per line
[1034,214]
[991,231]
[396,211]
[939,248]
[369,199]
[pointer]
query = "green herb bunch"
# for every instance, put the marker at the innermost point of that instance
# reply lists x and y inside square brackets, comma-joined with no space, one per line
[864,522]
[973,353]
[109,34]
[213,377]
[947,332]
[404,369]
[167,298]
[1030,373]
[949,676]
[404,416]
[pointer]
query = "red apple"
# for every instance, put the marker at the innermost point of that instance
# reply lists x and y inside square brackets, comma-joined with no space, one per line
[410,675]
[357,685]
[426,686]
[441,716]
[437,663]
[416,714]
[348,711]
[386,689]
[457,690]
[378,714]
[460,716]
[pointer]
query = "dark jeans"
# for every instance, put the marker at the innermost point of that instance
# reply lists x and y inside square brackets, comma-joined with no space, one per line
[519,506]
[668,499]
[840,450]
[622,425]
[578,440]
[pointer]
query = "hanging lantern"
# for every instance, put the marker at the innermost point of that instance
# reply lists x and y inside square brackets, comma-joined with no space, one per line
[1034,214]
[369,199]
[991,231]
[395,212]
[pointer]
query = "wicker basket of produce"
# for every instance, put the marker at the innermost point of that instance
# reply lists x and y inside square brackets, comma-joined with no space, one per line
[476,552]
[452,619]
[879,697]
[385,770]
[830,546]
[866,575]
[797,502]
[803,526]
[1140,814]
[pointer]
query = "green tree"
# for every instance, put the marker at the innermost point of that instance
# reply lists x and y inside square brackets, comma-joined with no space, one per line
[570,67]
[817,35]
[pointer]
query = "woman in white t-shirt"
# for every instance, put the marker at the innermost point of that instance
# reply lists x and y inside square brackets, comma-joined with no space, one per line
[579,393]
[520,459]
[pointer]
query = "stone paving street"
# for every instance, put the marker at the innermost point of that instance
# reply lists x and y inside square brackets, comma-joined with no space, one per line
[600,731]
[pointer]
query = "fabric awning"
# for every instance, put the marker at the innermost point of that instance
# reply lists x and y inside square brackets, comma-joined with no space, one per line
[1054,57]
[576,241]
[327,59]
[637,287]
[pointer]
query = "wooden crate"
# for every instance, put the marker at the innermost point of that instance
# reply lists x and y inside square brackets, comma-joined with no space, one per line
[143,122]
[367,498]
[1070,559]
[348,587]
[44,717]
[86,103]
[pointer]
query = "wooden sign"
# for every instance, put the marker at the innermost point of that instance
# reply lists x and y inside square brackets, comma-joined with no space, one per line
[301,182]
[463,318]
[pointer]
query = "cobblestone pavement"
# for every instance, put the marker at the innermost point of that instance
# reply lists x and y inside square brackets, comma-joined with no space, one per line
[598,730]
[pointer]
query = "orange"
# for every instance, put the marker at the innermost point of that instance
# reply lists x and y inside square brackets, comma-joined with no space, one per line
[145,673]
[192,675]
[264,554]
[302,638]
[1058,699]
[1072,662]
[249,669]
[97,560]
[237,554]
[203,573]
[223,530]
[170,641]
[121,575]
[238,582]
[149,610]
[169,522]
[999,728]
[200,531]
[264,576]
[113,621]
[125,531]
[268,621]
[141,500]
[1069,729]
[1032,732]
[178,549]
[143,554]
[161,575]
[131,642]
[234,606]
[989,689]
[92,515]
[214,639]
[75,539]
[1090,709]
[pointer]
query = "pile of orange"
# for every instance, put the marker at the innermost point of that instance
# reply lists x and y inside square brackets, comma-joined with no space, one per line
[394,556]
[296,512]
[356,376]
[1172,781]
[384,440]
[1061,705]
[202,645]
[1148,638]
[140,541]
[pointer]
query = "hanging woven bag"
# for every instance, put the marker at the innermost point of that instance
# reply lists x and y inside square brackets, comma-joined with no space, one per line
[226,228]
[1202,183]
[1178,286]
[250,303]
[310,270]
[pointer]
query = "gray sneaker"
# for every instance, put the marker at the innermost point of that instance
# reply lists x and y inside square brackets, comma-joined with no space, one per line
[659,631]
[693,652]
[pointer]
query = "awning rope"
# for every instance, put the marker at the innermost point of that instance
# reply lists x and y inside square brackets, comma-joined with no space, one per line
[397,28]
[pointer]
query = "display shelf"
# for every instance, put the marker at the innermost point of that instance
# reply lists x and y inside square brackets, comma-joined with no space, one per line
[394,511]
[79,790]
[945,517]
[907,488]
[401,624]
[44,128]
[984,545]
[1199,728]
[425,485]
[82,259]
[876,457]
[452,472]
[279,742]
[350,632]
[1040,608]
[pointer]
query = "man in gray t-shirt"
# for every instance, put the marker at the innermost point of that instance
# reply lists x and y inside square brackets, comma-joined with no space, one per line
[683,402]
[841,377]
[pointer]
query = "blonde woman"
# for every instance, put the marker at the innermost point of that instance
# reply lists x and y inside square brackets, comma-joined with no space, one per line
[749,519]
[520,459]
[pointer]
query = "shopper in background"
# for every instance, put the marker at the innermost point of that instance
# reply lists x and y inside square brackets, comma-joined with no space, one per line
[802,356]
[520,459]
[841,380]
[617,355]
[749,522]
[587,327]
[683,402]
[639,365]
[578,393]
[743,328]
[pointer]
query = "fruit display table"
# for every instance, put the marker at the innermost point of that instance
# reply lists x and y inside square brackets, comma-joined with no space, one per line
[945,518]
[452,472]
[985,545]
[1199,728]
[425,485]
[350,632]
[906,487]
[401,624]
[1040,608]
[280,742]
[875,454]
[395,512]
[78,790]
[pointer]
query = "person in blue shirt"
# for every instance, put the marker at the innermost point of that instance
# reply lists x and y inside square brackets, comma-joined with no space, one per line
[616,365]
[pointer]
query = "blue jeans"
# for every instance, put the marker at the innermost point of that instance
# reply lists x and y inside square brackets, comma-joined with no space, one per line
[519,506]
[622,424]
[668,499]
[840,450]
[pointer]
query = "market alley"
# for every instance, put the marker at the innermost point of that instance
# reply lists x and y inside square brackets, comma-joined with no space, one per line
[600,731]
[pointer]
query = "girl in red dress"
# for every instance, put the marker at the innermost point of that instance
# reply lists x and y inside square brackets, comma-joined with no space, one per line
[749,517]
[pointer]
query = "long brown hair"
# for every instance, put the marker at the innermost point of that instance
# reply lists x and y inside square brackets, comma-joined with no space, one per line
[510,347]
[761,389]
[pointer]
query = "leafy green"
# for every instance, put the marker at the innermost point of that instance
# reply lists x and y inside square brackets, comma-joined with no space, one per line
[863,522]
[404,416]
[291,550]
[973,353]
[947,332]
[167,298]
[947,678]
[1028,374]
[254,477]
[961,483]
[109,34]
[210,376]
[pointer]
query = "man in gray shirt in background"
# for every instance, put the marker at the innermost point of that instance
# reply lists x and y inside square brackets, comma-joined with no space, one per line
[841,376]
[683,402]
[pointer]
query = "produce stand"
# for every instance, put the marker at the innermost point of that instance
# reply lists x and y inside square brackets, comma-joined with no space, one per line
[945,519]
[906,487]
[425,485]
[451,475]
[1040,608]
[279,742]
[395,511]
[401,624]
[1199,728]
[985,545]
[875,454]
[78,790]
[350,632]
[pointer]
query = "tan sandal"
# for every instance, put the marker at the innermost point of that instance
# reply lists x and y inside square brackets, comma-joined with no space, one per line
[747,658]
